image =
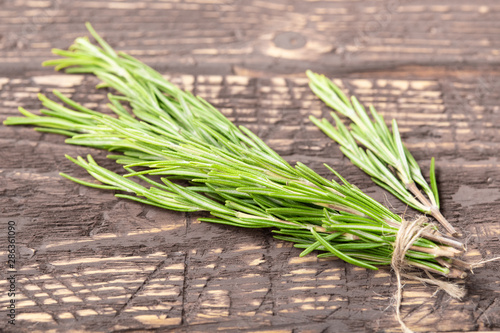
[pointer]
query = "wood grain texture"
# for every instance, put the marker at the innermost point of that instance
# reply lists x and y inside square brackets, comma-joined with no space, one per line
[91,262]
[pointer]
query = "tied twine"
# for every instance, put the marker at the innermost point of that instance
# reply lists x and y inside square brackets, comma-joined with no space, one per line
[482,263]
[408,233]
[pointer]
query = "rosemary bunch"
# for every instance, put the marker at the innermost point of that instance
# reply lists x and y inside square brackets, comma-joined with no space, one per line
[180,153]
[386,159]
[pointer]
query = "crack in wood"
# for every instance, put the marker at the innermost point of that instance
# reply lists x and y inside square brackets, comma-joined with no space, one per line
[184,289]
[141,287]
[484,312]
[39,304]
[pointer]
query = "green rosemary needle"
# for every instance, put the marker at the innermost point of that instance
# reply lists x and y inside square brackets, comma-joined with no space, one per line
[180,153]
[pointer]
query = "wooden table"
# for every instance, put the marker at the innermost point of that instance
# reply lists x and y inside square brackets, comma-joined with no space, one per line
[90,262]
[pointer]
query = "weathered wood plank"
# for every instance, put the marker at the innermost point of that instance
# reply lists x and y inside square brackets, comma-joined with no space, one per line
[93,262]
[89,261]
[286,36]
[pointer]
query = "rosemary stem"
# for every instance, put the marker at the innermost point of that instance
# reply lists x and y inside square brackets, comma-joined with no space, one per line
[461,264]
[443,240]
[438,251]
[433,209]
[443,262]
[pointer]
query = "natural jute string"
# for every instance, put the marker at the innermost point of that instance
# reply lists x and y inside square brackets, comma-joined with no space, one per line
[408,233]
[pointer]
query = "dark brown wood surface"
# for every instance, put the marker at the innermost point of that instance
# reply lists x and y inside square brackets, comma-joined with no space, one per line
[90,262]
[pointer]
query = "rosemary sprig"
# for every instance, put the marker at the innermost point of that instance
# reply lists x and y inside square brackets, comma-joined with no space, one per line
[180,153]
[385,159]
